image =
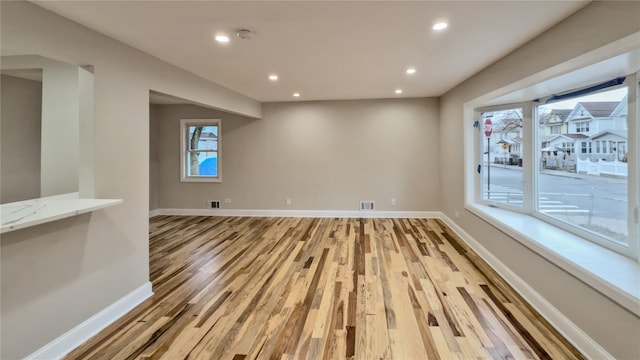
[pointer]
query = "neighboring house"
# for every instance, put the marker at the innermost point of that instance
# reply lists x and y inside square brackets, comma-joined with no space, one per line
[567,143]
[609,145]
[555,122]
[559,151]
[589,118]
[507,135]
[510,149]
[619,115]
[594,130]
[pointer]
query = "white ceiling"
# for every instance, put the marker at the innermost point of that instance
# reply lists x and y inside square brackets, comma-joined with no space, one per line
[324,49]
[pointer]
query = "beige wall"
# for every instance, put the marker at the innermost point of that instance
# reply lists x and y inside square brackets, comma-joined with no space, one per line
[598,24]
[325,155]
[153,156]
[64,272]
[57,275]
[20,130]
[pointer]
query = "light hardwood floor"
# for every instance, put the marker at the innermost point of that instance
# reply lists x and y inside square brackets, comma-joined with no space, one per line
[302,288]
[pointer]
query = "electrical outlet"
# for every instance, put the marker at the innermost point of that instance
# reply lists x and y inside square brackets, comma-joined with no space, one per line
[214,204]
[393,202]
[227,201]
[456,214]
[288,201]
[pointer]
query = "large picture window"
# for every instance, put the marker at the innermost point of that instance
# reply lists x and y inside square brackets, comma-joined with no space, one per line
[200,150]
[581,178]
[588,190]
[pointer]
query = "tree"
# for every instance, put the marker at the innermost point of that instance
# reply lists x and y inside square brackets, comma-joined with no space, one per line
[512,124]
[193,155]
[510,120]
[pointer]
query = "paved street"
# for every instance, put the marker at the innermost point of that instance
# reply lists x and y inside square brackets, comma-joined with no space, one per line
[590,201]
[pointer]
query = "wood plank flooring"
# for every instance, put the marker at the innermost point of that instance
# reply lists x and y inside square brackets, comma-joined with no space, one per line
[303,288]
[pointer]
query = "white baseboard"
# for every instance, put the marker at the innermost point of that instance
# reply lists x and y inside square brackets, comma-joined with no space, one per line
[575,335]
[298,213]
[68,341]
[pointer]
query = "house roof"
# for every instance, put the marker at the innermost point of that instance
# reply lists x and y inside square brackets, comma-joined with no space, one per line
[548,138]
[508,141]
[619,133]
[621,109]
[599,108]
[575,136]
[562,114]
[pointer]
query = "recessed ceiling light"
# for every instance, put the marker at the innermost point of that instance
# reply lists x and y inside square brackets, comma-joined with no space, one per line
[273,77]
[398,91]
[296,94]
[440,26]
[222,38]
[411,71]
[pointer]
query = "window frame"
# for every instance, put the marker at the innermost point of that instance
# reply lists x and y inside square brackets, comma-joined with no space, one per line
[185,151]
[583,126]
[631,248]
[530,147]
[479,159]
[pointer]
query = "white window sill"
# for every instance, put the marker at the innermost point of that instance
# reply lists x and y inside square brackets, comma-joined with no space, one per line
[209,179]
[614,275]
[23,214]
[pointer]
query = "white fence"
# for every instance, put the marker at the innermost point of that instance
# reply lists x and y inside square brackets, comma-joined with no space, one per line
[600,167]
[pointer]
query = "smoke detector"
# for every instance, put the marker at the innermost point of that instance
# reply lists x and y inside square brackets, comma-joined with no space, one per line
[245,34]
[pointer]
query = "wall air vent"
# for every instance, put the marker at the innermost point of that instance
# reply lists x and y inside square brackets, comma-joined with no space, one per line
[367,206]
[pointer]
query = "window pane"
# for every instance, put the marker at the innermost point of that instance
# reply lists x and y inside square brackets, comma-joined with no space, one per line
[202,163]
[202,150]
[502,159]
[582,176]
[203,137]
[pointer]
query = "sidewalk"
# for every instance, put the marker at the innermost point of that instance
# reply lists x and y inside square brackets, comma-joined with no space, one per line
[566,174]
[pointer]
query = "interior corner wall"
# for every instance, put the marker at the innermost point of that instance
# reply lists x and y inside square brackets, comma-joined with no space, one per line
[610,325]
[153,156]
[20,131]
[323,155]
[57,275]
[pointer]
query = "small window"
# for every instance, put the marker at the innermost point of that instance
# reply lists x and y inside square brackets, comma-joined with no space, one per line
[200,150]
[586,147]
[582,127]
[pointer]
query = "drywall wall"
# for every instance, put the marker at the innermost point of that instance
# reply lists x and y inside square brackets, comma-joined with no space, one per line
[66,123]
[55,276]
[20,131]
[153,156]
[596,25]
[324,155]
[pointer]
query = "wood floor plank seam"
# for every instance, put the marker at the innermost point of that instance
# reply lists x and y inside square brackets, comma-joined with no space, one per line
[322,288]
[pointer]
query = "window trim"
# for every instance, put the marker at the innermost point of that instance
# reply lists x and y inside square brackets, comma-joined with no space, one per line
[184,124]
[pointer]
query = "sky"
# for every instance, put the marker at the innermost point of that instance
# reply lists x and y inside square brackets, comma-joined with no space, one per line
[612,95]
